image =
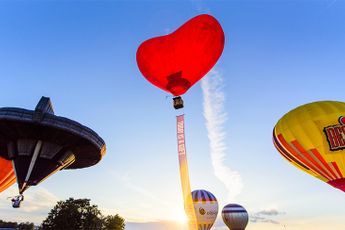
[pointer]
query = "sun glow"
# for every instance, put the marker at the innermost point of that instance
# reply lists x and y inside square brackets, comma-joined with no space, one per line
[181,217]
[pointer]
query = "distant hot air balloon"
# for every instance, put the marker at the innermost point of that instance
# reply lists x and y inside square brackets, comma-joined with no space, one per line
[206,208]
[7,176]
[235,216]
[176,61]
[312,138]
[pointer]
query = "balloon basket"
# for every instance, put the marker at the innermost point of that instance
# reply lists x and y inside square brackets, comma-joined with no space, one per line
[178,102]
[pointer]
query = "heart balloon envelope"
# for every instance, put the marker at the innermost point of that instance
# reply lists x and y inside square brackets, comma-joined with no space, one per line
[312,138]
[176,61]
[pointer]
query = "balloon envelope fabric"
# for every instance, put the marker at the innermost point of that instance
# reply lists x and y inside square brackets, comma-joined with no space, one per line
[206,208]
[175,62]
[312,138]
[7,175]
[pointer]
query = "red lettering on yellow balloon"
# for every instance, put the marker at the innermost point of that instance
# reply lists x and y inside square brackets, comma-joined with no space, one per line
[331,138]
[336,137]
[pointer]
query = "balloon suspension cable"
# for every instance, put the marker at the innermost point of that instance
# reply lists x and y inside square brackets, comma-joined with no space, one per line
[184,175]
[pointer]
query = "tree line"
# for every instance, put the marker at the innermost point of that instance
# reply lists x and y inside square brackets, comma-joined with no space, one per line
[73,214]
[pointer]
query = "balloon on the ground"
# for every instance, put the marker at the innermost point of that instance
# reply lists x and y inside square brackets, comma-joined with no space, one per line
[206,208]
[176,61]
[312,138]
[235,216]
[7,176]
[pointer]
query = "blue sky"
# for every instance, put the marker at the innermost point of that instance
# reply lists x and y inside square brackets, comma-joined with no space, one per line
[278,55]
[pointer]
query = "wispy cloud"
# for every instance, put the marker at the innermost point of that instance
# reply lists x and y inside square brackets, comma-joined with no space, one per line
[271,212]
[266,216]
[126,180]
[161,208]
[40,200]
[35,207]
[215,115]
[162,225]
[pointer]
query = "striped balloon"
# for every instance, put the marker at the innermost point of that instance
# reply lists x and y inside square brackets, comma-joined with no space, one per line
[206,208]
[312,138]
[235,216]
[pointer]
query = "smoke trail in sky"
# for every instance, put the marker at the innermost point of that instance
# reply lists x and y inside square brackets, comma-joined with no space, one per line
[215,115]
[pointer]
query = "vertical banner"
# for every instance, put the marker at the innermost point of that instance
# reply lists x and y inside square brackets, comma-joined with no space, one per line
[182,156]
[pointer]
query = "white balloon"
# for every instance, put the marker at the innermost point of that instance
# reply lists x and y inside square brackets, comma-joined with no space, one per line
[206,208]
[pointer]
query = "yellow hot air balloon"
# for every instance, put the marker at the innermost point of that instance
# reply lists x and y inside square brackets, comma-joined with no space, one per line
[312,138]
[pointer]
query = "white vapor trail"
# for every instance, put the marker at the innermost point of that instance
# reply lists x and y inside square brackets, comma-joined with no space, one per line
[215,115]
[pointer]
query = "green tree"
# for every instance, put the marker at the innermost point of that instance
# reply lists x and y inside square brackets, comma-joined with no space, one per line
[113,223]
[73,215]
[26,226]
[15,225]
[4,224]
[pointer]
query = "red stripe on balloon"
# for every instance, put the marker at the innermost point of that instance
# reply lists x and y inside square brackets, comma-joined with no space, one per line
[286,154]
[286,145]
[337,168]
[280,150]
[320,170]
[292,151]
[283,154]
[318,156]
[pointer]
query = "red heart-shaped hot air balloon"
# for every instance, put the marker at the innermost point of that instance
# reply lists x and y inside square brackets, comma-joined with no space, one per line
[176,61]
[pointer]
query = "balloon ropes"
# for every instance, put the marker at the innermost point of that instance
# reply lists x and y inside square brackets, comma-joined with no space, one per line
[174,63]
[312,138]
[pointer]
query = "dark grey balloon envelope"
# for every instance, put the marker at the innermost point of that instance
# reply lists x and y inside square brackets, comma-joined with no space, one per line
[40,143]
